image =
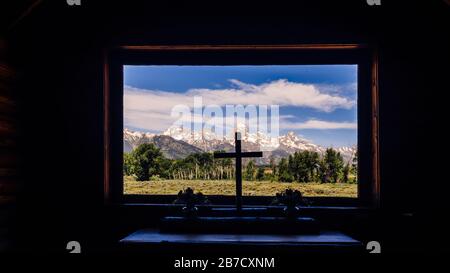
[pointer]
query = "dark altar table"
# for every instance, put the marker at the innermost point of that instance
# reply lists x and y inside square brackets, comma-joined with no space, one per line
[324,241]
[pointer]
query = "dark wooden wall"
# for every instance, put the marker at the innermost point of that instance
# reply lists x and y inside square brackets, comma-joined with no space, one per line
[9,156]
[58,50]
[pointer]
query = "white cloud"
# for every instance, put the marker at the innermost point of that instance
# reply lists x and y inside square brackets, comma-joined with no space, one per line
[280,92]
[150,109]
[338,89]
[317,124]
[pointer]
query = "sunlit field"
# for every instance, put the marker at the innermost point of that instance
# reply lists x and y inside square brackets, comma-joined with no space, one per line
[227,187]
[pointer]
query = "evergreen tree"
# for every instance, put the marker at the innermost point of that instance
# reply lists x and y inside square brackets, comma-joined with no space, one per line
[334,163]
[345,173]
[250,171]
[273,167]
[303,165]
[283,171]
[354,168]
[312,164]
[260,174]
[323,172]
[163,166]
[145,158]
[128,164]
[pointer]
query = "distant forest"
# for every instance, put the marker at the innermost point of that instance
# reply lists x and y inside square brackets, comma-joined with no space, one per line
[147,162]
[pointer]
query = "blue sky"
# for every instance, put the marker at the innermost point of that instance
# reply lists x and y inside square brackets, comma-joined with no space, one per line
[317,102]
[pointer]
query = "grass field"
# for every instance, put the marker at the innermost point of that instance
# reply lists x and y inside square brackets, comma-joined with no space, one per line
[227,187]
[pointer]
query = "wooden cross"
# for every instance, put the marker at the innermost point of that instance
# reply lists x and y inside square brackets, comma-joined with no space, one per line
[238,155]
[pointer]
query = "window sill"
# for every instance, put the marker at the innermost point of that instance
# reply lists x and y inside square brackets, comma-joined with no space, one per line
[231,208]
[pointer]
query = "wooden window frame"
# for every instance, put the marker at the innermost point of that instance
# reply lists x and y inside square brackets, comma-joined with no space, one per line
[364,56]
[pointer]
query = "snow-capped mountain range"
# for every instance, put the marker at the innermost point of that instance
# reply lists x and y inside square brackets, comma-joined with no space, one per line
[177,143]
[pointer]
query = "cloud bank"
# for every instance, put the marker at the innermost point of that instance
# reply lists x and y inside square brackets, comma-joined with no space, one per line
[317,124]
[150,109]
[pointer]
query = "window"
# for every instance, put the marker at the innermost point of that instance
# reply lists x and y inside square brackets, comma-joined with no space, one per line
[310,110]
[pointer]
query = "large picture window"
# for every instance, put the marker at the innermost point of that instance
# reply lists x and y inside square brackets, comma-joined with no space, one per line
[311,117]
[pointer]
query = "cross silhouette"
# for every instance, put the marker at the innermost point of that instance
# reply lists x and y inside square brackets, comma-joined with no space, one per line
[238,155]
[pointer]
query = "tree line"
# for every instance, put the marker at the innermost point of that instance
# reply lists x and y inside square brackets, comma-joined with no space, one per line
[147,162]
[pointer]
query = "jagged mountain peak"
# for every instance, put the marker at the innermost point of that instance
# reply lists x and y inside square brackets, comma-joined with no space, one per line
[207,141]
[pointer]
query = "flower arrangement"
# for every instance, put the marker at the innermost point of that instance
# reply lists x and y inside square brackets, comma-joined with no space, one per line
[191,200]
[291,199]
